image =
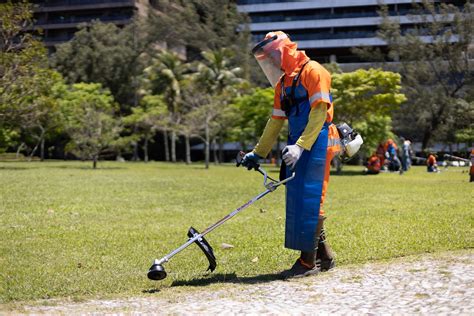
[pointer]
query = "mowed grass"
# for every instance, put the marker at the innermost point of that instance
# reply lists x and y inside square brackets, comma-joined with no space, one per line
[69,231]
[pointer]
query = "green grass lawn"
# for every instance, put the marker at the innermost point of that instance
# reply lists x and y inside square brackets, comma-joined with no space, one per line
[69,231]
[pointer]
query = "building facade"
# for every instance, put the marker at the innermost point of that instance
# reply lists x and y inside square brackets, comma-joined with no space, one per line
[327,30]
[58,20]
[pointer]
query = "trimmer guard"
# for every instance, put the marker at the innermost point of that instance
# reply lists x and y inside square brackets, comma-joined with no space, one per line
[205,247]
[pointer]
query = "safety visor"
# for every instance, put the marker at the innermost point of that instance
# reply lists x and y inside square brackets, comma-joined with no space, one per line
[268,55]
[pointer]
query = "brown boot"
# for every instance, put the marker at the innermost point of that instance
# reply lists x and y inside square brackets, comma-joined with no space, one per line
[324,255]
[300,269]
[306,264]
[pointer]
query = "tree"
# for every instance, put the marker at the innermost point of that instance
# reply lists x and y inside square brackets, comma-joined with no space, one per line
[202,25]
[166,76]
[216,77]
[44,120]
[151,116]
[433,57]
[197,118]
[365,99]
[253,111]
[24,74]
[88,111]
[104,53]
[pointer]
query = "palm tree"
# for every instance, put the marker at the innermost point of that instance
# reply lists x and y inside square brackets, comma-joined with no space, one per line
[220,80]
[216,73]
[166,76]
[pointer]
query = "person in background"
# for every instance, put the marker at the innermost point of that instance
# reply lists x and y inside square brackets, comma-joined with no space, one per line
[380,152]
[406,155]
[373,165]
[431,163]
[471,170]
[391,155]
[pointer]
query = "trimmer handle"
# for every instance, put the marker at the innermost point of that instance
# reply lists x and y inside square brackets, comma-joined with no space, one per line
[240,158]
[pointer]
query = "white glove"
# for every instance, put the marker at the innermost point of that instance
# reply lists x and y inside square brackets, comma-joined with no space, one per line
[291,154]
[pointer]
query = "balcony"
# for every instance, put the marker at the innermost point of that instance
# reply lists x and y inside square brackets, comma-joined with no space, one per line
[74,5]
[76,24]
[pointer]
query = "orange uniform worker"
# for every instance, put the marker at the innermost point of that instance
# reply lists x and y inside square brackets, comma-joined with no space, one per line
[380,152]
[373,164]
[302,96]
[391,149]
[431,164]
[390,145]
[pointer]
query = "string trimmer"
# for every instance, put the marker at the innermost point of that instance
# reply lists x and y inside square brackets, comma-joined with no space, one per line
[157,271]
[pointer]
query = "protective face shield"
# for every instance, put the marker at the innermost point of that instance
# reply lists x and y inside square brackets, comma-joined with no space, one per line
[268,55]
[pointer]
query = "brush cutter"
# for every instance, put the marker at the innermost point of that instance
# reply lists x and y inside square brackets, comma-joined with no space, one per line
[457,158]
[157,271]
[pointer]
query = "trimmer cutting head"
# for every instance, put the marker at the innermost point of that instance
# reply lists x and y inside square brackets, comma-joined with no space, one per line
[156,272]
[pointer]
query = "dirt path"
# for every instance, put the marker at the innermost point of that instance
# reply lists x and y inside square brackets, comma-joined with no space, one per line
[431,284]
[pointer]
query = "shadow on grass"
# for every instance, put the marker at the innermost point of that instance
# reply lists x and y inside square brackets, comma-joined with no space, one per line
[347,173]
[151,291]
[228,278]
[85,168]
[13,168]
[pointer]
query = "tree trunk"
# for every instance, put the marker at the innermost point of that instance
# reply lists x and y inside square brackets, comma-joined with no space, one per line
[135,152]
[135,156]
[221,149]
[32,152]
[94,161]
[426,139]
[173,146]
[36,147]
[18,150]
[166,143]
[188,149]
[42,149]
[214,151]
[206,145]
[145,148]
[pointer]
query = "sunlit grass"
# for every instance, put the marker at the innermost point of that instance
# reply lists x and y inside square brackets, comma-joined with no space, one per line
[69,231]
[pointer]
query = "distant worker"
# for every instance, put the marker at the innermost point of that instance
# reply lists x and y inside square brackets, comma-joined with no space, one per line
[406,155]
[380,152]
[431,164]
[471,171]
[391,155]
[373,165]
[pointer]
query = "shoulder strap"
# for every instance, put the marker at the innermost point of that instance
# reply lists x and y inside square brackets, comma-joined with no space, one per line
[293,87]
[295,81]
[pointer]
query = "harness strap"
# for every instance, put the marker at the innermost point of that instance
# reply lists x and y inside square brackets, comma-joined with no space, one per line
[293,87]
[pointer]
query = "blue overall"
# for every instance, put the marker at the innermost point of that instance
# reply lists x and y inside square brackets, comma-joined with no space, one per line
[303,193]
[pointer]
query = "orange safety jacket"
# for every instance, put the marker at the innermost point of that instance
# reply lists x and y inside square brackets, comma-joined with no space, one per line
[431,161]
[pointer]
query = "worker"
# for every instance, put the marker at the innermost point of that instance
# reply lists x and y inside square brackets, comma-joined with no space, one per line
[380,152]
[373,165]
[431,164]
[406,155]
[391,155]
[302,96]
[471,170]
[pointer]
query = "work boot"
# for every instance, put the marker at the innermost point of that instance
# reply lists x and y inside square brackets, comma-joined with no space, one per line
[324,255]
[306,264]
[300,268]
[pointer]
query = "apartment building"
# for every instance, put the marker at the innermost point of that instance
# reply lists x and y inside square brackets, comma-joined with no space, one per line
[327,30]
[59,19]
